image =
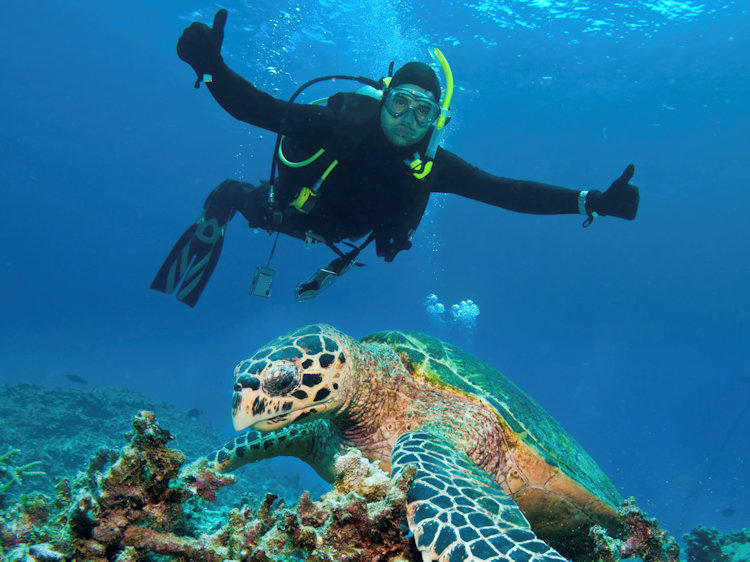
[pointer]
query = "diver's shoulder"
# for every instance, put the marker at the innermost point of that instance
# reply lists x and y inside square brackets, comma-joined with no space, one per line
[356,113]
[353,102]
[445,157]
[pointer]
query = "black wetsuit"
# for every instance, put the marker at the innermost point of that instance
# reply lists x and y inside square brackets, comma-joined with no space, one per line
[371,189]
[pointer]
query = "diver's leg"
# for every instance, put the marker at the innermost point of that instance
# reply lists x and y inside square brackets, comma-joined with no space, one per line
[192,260]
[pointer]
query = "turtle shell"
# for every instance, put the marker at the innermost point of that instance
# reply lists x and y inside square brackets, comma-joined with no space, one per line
[443,365]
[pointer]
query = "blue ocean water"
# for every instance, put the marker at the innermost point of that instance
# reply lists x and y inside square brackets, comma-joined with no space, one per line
[633,335]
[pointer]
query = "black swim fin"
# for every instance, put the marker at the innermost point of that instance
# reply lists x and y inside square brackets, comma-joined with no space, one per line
[325,276]
[191,261]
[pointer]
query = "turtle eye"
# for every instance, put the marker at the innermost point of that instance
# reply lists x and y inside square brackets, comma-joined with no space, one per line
[281,378]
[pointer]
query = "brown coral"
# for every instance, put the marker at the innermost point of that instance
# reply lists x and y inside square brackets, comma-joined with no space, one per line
[360,519]
[642,538]
[138,505]
[139,500]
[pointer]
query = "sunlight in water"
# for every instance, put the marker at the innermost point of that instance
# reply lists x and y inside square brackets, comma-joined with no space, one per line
[607,17]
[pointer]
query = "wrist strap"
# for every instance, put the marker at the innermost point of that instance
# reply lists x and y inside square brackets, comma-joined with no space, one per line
[582,202]
[203,78]
[582,209]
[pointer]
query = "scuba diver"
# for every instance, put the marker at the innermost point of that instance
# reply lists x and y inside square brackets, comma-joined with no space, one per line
[359,168]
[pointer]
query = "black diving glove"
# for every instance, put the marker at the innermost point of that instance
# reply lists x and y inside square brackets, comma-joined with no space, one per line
[200,45]
[387,249]
[620,200]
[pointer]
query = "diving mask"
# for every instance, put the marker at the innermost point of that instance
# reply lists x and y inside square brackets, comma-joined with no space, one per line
[399,101]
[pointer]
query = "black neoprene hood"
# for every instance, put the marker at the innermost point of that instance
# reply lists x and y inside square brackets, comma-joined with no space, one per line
[419,74]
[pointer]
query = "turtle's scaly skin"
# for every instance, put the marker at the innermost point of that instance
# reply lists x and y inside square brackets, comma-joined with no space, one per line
[482,447]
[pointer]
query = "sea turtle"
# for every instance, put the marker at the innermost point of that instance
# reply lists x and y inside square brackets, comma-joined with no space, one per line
[497,478]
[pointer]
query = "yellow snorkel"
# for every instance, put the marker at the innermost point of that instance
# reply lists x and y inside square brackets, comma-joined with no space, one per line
[445,107]
[421,167]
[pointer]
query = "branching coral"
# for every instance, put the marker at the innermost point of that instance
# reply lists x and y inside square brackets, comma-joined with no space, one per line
[12,474]
[35,553]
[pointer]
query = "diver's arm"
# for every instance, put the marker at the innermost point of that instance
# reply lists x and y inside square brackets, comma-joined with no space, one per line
[200,47]
[247,103]
[454,175]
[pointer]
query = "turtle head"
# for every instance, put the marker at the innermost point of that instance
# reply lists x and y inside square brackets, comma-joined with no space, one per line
[299,376]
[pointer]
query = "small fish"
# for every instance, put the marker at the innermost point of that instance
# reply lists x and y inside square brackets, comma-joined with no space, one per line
[75,378]
[194,413]
[728,512]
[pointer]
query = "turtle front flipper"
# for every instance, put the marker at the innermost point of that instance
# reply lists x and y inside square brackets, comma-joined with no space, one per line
[315,442]
[459,512]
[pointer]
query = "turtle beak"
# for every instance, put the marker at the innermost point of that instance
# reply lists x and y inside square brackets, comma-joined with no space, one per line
[249,409]
[241,421]
[246,405]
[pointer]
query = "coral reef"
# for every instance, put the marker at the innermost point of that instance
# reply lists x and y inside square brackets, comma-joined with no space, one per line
[642,538]
[142,502]
[136,502]
[61,428]
[359,519]
[139,500]
[706,544]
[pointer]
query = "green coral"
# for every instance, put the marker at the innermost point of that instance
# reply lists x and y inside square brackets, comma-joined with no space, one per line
[11,474]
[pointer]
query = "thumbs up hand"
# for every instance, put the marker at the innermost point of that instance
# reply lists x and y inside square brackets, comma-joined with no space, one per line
[200,45]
